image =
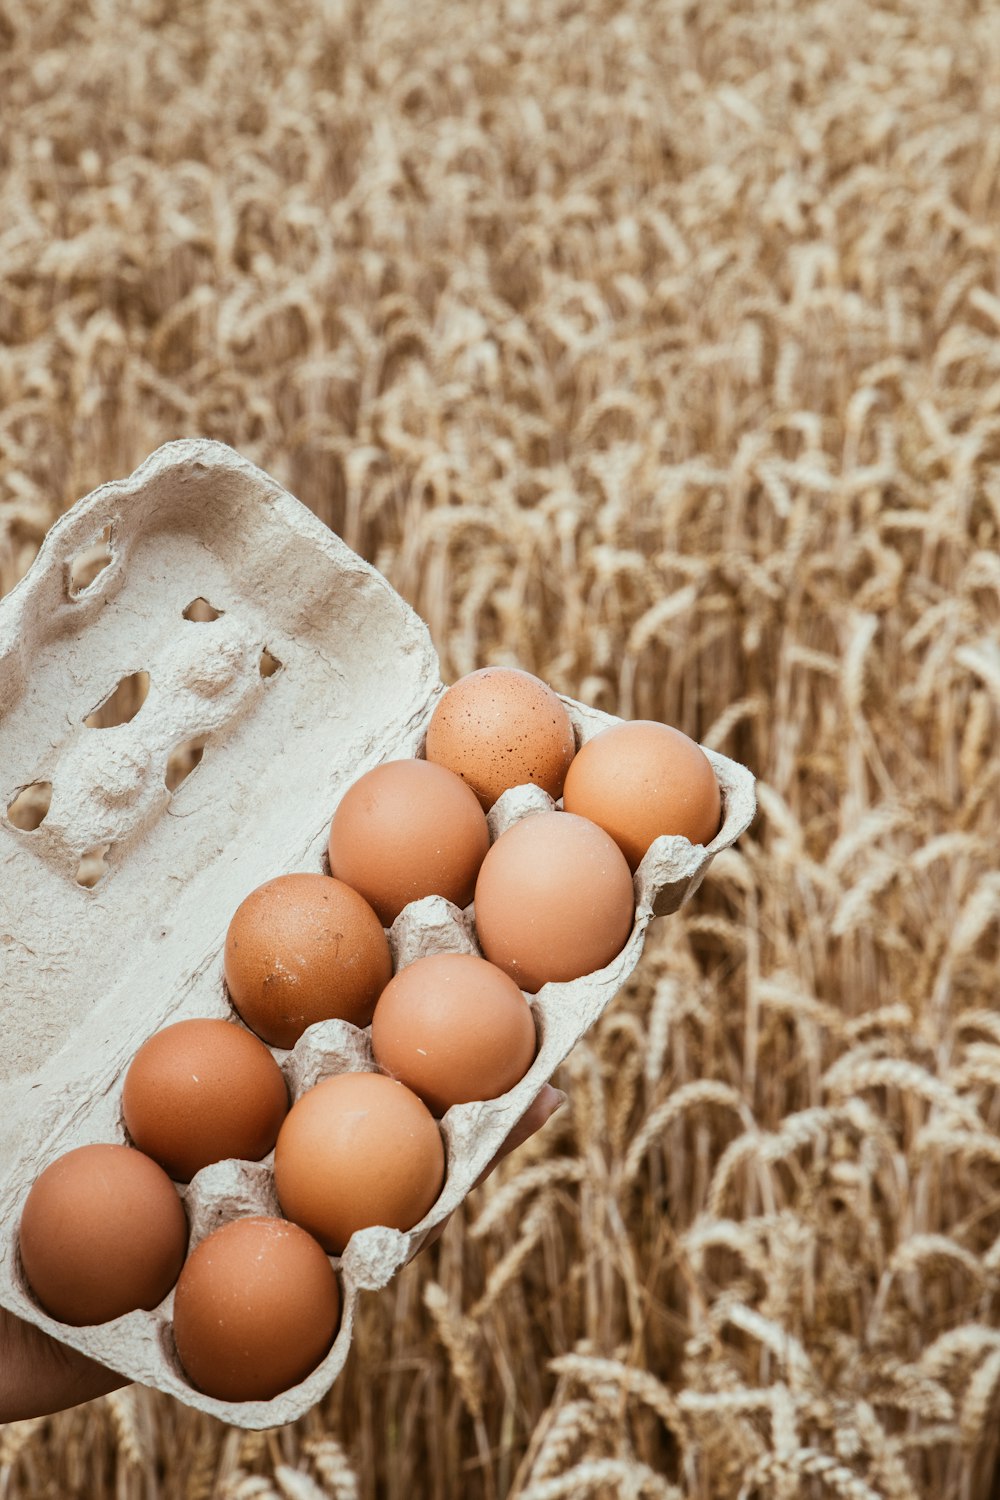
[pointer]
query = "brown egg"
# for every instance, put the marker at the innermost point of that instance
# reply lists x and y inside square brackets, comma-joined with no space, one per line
[553,900]
[202,1091]
[103,1233]
[500,727]
[357,1150]
[641,780]
[301,949]
[255,1310]
[452,1027]
[405,830]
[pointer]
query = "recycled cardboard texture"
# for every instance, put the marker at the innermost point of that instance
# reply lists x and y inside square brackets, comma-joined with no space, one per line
[88,974]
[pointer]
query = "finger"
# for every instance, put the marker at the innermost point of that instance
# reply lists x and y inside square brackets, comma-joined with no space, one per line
[540,1110]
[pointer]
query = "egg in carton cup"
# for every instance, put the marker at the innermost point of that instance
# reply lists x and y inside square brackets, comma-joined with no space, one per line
[294,667]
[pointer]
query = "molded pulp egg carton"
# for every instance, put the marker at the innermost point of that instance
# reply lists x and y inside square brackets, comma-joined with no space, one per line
[87,974]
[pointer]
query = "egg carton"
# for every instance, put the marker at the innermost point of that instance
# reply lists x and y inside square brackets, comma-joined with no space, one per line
[311,671]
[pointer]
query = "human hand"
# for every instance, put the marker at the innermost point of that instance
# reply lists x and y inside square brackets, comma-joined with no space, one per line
[541,1109]
[39,1375]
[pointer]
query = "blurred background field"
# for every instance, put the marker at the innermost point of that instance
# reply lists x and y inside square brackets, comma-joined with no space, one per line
[654,347]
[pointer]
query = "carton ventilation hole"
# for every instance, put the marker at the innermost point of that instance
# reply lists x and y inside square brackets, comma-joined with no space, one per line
[29,808]
[201,611]
[182,761]
[121,706]
[93,867]
[88,564]
[269,664]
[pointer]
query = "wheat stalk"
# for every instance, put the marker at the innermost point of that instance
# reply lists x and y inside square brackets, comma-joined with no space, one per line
[333,1467]
[628,1476]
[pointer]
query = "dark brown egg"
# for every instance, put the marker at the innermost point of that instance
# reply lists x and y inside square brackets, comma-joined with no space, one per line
[103,1233]
[501,727]
[405,830]
[202,1091]
[357,1150]
[255,1311]
[643,779]
[453,1027]
[554,900]
[302,949]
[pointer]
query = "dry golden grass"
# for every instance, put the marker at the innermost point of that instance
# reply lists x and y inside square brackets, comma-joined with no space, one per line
[653,346]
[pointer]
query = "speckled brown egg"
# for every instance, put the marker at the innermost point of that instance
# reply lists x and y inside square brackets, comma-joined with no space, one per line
[103,1232]
[256,1309]
[405,830]
[643,779]
[501,727]
[357,1150]
[453,1027]
[202,1091]
[553,900]
[301,949]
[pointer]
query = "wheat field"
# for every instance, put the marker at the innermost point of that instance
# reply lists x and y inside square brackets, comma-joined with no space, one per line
[654,347]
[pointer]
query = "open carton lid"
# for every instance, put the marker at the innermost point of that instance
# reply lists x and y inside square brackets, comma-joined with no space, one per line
[311,671]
